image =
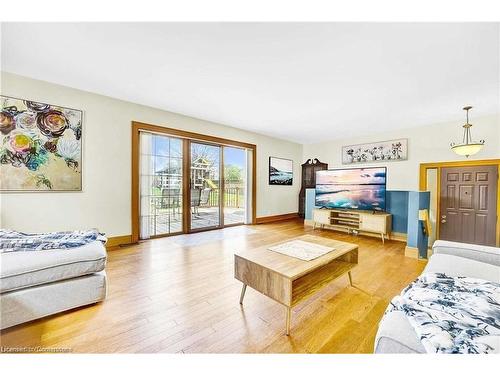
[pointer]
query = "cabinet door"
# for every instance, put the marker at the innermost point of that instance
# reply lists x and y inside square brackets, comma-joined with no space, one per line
[321,216]
[308,176]
[372,223]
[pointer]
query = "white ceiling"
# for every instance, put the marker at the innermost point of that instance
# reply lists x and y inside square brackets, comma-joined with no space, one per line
[306,82]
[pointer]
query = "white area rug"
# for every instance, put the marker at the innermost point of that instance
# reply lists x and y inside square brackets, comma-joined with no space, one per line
[301,249]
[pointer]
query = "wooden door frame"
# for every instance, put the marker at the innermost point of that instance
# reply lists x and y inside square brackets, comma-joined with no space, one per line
[424,167]
[137,127]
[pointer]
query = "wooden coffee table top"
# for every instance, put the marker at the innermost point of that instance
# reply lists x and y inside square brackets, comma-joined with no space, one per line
[291,267]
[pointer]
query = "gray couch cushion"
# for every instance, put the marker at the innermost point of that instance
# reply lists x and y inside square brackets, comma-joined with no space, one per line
[24,269]
[457,266]
[27,304]
[396,335]
[480,253]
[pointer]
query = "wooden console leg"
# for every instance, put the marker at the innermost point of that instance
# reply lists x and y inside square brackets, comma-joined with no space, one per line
[288,318]
[243,290]
[350,277]
[383,239]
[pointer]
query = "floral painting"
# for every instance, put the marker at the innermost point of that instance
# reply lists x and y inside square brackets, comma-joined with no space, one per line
[373,152]
[40,146]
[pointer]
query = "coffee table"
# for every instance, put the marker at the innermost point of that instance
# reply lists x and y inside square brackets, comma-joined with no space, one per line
[290,280]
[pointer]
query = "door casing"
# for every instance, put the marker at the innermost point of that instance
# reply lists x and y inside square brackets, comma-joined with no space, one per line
[464,163]
[137,127]
[461,197]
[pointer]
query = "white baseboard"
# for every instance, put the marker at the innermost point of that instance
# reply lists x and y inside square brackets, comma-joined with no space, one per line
[308,223]
[397,236]
[412,252]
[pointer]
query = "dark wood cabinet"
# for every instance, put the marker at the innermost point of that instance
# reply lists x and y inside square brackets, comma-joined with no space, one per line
[309,169]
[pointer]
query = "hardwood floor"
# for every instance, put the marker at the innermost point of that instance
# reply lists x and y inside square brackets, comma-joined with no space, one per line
[178,294]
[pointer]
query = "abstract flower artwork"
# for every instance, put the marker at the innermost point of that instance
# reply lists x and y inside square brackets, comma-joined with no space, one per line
[40,146]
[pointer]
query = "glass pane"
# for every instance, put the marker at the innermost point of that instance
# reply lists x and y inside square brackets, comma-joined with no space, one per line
[205,183]
[147,163]
[234,185]
[161,164]
[145,143]
[161,185]
[161,145]
[175,165]
[175,148]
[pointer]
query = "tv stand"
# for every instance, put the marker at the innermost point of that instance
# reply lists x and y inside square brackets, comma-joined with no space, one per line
[354,221]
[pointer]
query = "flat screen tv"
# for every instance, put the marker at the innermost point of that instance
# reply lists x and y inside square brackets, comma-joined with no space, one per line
[357,188]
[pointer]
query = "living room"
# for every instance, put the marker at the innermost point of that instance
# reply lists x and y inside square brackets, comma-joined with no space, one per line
[250,187]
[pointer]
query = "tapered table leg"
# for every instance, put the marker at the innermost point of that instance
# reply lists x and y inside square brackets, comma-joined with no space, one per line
[288,318]
[243,290]
[350,277]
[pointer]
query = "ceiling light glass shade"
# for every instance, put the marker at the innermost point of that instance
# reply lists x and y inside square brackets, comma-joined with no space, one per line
[468,146]
[467,149]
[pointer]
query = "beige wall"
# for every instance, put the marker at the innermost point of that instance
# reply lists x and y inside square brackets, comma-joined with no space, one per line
[429,143]
[105,200]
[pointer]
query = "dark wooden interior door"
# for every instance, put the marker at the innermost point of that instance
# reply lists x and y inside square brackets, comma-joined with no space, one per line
[468,204]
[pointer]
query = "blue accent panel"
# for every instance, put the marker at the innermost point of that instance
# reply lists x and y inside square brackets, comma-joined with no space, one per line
[424,199]
[416,238]
[397,206]
[413,224]
[310,203]
[403,206]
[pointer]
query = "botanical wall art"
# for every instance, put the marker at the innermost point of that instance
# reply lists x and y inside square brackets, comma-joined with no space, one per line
[372,152]
[280,171]
[40,146]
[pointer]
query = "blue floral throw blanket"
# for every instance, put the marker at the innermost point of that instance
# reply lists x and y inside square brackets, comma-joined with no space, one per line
[11,240]
[452,314]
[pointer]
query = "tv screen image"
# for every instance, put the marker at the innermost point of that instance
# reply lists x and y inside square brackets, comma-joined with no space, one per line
[357,188]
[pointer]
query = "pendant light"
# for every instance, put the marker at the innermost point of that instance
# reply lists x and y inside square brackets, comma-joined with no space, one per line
[468,146]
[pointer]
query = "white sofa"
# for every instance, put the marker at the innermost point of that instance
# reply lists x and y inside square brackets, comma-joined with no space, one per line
[34,284]
[395,334]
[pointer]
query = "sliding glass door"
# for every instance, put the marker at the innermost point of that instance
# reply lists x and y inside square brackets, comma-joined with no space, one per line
[234,185]
[217,186]
[185,185]
[205,189]
[160,185]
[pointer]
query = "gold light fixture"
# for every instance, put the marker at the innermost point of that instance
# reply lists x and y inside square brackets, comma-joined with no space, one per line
[468,146]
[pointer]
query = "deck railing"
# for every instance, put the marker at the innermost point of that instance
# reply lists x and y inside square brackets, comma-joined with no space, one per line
[234,197]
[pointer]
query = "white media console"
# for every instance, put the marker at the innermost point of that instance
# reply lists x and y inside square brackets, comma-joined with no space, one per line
[353,221]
